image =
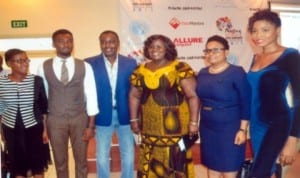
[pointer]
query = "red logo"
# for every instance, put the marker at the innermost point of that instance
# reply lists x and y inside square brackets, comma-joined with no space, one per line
[187,41]
[174,22]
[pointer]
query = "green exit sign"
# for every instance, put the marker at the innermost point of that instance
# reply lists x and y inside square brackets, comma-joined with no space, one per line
[19,23]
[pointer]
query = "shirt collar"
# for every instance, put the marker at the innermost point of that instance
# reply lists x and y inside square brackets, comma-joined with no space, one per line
[58,59]
[107,61]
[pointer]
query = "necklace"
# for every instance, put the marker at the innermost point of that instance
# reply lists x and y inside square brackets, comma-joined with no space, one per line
[215,70]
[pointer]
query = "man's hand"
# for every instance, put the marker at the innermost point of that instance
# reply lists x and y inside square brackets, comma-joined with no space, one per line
[88,134]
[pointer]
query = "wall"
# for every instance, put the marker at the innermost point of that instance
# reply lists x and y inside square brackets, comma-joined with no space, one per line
[86,19]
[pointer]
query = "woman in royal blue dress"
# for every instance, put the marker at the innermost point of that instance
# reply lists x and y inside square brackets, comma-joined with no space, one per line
[224,94]
[275,120]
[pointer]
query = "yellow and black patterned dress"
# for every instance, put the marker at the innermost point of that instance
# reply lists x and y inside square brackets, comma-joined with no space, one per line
[164,120]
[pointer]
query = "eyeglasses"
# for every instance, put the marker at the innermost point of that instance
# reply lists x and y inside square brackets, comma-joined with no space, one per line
[213,50]
[20,61]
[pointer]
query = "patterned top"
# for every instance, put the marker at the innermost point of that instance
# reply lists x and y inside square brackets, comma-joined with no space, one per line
[21,96]
[164,109]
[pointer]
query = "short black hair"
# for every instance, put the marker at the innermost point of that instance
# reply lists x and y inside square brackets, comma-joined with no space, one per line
[59,32]
[9,54]
[265,14]
[111,32]
[220,40]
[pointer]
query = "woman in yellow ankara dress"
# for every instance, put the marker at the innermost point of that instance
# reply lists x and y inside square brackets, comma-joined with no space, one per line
[163,97]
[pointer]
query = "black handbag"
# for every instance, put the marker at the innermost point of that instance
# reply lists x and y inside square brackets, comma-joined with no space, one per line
[245,169]
[189,140]
[278,171]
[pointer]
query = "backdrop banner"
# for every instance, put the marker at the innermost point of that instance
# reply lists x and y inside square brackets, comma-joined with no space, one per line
[188,23]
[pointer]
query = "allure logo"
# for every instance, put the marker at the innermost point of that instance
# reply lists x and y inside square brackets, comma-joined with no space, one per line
[187,41]
[174,22]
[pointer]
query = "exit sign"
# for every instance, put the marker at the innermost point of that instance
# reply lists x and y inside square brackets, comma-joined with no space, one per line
[19,23]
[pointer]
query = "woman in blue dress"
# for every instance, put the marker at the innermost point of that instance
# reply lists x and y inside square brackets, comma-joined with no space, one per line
[275,120]
[224,94]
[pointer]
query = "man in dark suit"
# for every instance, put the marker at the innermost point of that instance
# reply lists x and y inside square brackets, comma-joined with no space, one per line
[112,72]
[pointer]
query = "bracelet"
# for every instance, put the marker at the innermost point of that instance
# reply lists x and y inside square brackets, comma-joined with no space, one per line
[134,120]
[194,123]
[243,130]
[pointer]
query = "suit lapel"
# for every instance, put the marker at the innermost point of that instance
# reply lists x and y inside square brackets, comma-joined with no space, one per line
[103,75]
[119,73]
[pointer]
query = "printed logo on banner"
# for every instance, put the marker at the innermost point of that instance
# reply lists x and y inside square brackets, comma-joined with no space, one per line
[175,23]
[234,36]
[139,28]
[142,5]
[137,55]
[224,23]
[187,41]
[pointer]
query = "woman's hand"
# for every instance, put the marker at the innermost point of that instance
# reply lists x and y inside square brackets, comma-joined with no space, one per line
[135,127]
[193,129]
[45,136]
[240,137]
[289,151]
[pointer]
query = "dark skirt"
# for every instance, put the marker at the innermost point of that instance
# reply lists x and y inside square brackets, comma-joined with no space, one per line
[26,150]
[218,129]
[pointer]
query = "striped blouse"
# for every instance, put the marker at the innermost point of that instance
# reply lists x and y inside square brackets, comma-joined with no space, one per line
[27,96]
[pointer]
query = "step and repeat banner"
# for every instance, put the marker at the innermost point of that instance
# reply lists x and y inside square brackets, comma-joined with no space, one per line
[188,23]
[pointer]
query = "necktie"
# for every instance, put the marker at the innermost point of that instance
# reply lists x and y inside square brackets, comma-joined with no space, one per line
[64,78]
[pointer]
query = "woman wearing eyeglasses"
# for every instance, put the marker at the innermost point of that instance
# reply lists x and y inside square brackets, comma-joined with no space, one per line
[23,112]
[224,92]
